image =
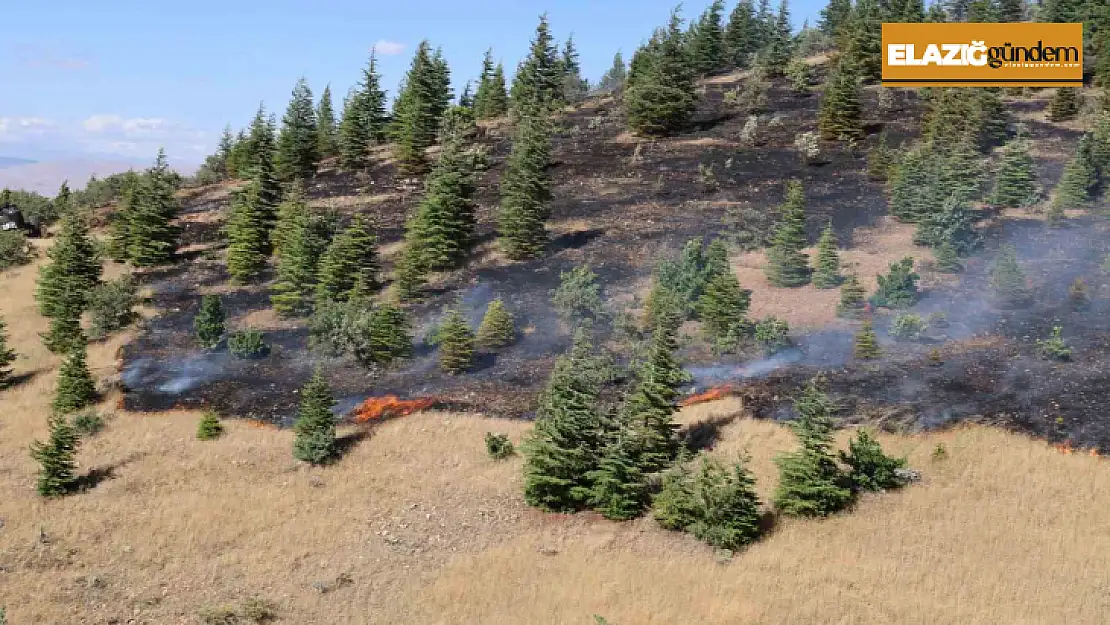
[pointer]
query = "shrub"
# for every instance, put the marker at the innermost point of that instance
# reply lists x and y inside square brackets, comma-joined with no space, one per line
[707,177]
[1054,347]
[456,343]
[866,344]
[851,297]
[714,504]
[88,423]
[112,306]
[908,326]
[253,611]
[749,134]
[374,336]
[772,335]
[809,146]
[75,388]
[869,467]
[897,289]
[314,430]
[940,452]
[1008,281]
[811,483]
[578,297]
[798,73]
[497,328]
[1077,295]
[209,427]
[209,322]
[7,355]
[15,249]
[248,343]
[498,446]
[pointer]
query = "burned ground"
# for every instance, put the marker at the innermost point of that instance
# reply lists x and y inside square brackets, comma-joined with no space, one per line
[622,203]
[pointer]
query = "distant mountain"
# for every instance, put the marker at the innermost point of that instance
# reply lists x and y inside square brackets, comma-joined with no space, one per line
[45,177]
[11,161]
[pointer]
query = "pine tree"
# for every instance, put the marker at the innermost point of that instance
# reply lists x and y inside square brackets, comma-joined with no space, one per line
[497,328]
[660,96]
[787,265]
[64,284]
[826,275]
[781,45]
[1079,179]
[456,347]
[840,116]
[851,297]
[209,322]
[1015,185]
[466,98]
[714,504]
[363,121]
[1010,10]
[913,11]
[707,45]
[261,147]
[537,86]
[350,261]
[573,87]
[810,481]
[1064,105]
[416,111]
[948,258]
[567,441]
[57,458]
[441,233]
[897,289]
[870,468]
[724,304]
[209,427]
[953,224]
[618,485]
[482,93]
[741,34]
[863,41]
[152,235]
[7,355]
[835,17]
[866,344]
[248,233]
[75,387]
[224,151]
[491,100]
[526,190]
[327,131]
[650,408]
[1008,281]
[298,145]
[307,237]
[880,160]
[912,185]
[119,221]
[314,430]
[615,76]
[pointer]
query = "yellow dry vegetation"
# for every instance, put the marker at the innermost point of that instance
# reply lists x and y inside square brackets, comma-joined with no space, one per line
[416,525]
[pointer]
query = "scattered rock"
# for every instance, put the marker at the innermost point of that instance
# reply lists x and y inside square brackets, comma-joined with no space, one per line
[908,475]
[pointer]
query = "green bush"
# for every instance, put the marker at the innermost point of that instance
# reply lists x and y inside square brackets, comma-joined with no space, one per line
[248,343]
[1054,347]
[578,297]
[498,446]
[88,423]
[209,427]
[715,504]
[209,322]
[15,249]
[908,326]
[897,289]
[374,336]
[869,467]
[112,306]
[772,335]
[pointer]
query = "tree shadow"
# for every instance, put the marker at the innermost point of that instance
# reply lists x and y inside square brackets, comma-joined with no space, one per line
[576,239]
[97,475]
[704,435]
[19,379]
[346,443]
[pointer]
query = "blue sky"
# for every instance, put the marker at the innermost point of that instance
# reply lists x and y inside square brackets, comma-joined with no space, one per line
[120,77]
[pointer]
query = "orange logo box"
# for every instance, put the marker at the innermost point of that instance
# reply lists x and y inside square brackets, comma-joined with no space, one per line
[982,55]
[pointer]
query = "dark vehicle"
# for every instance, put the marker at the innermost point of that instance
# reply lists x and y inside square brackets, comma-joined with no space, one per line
[11,218]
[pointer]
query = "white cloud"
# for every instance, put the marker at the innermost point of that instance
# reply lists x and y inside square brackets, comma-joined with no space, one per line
[385,47]
[42,57]
[21,128]
[127,127]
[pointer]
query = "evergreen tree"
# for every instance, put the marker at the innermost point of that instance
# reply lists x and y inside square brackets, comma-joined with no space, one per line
[261,147]
[660,97]
[1064,105]
[491,100]
[526,190]
[1010,10]
[416,111]
[912,185]
[787,265]
[615,76]
[152,235]
[497,328]
[237,159]
[573,86]
[119,222]
[209,427]
[64,284]
[7,355]
[466,98]
[209,322]
[810,481]
[707,44]
[1015,185]
[851,297]
[1008,281]
[863,40]
[880,160]
[248,232]
[224,152]
[314,430]
[870,468]
[298,145]
[75,388]
[741,34]
[866,344]
[538,83]
[1079,179]
[714,504]
[456,342]
[649,409]
[826,275]
[441,233]
[897,289]
[913,11]
[363,121]
[567,441]
[781,45]
[953,224]
[835,17]
[350,261]
[723,305]
[57,458]
[307,239]
[482,93]
[948,258]
[840,116]
[327,130]
[618,485]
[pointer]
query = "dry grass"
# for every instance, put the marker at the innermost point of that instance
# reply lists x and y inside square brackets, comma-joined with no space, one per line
[427,529]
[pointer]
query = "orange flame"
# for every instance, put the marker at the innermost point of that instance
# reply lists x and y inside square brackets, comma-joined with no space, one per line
[1065,449]
[713,394]
[262,425]
[390,406]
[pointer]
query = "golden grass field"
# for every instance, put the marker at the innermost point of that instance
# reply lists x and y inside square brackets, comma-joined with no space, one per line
[417,525]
